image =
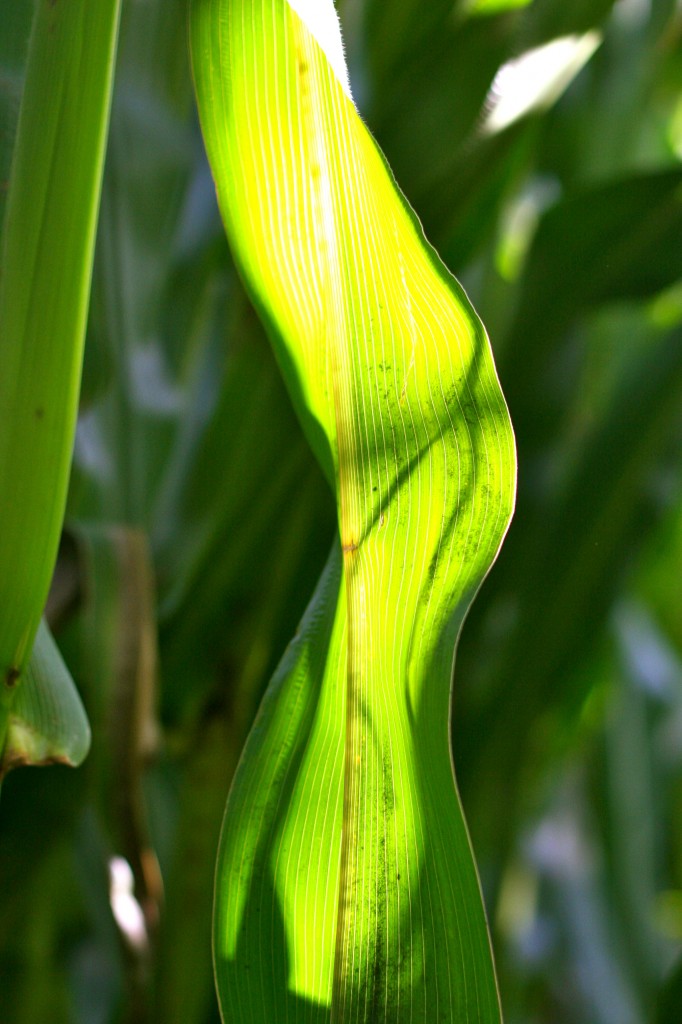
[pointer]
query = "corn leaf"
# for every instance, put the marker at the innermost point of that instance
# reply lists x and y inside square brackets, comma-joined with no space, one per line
[47,722]
[346,885]
[48,240]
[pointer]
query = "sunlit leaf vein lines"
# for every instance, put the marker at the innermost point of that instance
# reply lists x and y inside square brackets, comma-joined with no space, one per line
[346,883]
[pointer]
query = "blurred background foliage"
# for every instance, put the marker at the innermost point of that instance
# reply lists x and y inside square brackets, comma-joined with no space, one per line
[198,523]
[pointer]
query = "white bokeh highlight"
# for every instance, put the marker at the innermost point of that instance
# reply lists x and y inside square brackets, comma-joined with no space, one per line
[536,79]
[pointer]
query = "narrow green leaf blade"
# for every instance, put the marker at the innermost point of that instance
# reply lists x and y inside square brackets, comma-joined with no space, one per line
[390,371]
[48,241]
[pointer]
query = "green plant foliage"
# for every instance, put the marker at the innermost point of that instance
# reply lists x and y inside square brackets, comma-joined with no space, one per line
[669,1000]
[47,248]
[627,249]
[198,517]
[47,723]
[390,372]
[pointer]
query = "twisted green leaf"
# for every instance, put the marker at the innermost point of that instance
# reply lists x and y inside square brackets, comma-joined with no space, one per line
[346,886]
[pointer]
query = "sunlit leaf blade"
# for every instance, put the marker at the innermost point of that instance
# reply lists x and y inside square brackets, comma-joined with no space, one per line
[279,862]
[47,246]
[346,886]
[493,6]
[47,722]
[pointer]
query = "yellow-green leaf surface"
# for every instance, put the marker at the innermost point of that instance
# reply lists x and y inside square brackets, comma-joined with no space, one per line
[47,248]
[346,887]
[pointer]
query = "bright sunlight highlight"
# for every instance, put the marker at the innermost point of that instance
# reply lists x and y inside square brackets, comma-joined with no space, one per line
[125,908]
[536,79]
[321,18]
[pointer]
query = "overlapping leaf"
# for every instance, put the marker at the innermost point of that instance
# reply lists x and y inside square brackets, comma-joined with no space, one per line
[346,885]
